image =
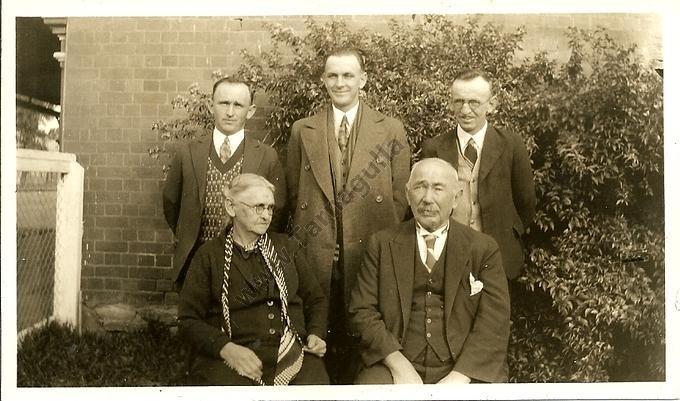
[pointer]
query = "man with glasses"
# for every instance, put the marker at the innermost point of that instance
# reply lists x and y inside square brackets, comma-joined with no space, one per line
[193,203]
[493,167]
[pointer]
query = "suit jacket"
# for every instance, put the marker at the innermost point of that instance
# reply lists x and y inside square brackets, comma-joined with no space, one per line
[374,196]
[184,190]
[477,326]
[200,306]
[507,198]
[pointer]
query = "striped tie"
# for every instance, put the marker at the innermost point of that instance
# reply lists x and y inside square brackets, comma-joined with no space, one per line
[431,259]
[471,151]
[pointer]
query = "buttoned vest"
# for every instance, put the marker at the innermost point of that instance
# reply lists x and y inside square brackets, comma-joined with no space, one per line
[426,324]
[467,211]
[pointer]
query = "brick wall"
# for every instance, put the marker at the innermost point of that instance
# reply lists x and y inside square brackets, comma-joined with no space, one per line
[121,75]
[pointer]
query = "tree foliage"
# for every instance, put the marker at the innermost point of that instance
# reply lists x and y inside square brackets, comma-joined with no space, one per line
[590,303]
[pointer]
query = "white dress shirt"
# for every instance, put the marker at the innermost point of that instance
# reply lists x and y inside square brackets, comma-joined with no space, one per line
[440,240]
[337,117]
[477,138]
[235,140]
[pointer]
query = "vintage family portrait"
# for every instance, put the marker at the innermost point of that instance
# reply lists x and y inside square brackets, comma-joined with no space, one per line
[471,201]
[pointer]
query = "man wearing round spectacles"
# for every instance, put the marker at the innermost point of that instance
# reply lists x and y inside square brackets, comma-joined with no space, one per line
[493,167]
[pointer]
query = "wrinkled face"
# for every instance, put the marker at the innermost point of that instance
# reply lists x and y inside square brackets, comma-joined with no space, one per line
[243,211]
[432,192]
[343,78]
[471,101]
[231,107]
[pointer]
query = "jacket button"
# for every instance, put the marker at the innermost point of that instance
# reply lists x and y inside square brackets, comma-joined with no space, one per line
[307,167]
[379,198]
[270,316]
[270,303]
[303,206]
[272,331]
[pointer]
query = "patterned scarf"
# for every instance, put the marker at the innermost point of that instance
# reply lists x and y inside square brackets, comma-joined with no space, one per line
[290,352]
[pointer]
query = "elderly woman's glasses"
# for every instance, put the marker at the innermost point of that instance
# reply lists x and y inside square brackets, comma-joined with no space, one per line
[259,208]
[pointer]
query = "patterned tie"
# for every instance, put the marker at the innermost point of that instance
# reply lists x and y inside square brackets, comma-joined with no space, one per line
[225,150]
[343,139]
[429,243]
[343,134]
[471,151]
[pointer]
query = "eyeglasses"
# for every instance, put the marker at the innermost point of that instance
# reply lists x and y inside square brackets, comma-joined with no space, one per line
[259,208]
[474,104]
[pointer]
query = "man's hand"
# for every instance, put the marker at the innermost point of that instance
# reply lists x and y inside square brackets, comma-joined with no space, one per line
[401,368]
[315,345]
[454,378]
[243,360]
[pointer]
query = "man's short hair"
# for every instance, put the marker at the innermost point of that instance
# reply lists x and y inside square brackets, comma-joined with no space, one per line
[234,80]
[441,162]
[348,51]
[469,74]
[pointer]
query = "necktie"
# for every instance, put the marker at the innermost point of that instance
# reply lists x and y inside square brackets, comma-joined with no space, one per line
[471,151]
[225,150]
[429,243]
[343,139]
[343,134]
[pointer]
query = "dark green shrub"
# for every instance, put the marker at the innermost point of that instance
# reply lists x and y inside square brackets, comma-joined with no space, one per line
[590,304]
[56,356]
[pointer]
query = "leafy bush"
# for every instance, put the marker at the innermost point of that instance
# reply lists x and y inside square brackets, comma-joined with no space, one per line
[56,356]
[590,305]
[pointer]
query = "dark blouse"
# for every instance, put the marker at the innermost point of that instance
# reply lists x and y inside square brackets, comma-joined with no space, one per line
[253,297]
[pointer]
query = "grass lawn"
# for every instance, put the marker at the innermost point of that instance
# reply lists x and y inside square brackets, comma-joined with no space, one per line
[57,356]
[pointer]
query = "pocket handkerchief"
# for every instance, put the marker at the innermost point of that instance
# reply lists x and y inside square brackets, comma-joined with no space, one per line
[475,285]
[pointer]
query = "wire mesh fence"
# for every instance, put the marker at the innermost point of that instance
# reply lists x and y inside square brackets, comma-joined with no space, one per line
[49,238]
[36,236]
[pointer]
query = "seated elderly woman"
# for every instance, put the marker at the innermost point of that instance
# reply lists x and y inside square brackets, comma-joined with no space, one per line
[250,306]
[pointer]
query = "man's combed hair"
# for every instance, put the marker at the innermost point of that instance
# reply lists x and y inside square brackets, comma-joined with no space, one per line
[349,51]
[234,80]
[469,74]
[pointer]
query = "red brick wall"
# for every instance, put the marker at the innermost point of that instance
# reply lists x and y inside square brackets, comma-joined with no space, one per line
[121,75]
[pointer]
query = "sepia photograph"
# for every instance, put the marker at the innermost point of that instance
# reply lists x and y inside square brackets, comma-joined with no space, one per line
[339,199]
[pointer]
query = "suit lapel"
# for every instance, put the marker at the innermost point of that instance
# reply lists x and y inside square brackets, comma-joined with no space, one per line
[200,151]
[403,249]
[369,138]
[313,137]
[253,152]
[457,258]
[494,145]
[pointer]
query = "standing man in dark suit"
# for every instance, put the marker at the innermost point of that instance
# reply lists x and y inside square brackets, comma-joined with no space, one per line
[193,203]
[493,167]
[346,169]
[431,299]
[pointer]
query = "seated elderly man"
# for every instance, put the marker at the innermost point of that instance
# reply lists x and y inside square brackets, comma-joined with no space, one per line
[431,299]
[250,306]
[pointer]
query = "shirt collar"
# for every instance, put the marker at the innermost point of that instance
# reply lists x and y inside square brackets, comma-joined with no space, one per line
[351,114]
[464,137]
[234,139]
[421,231]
